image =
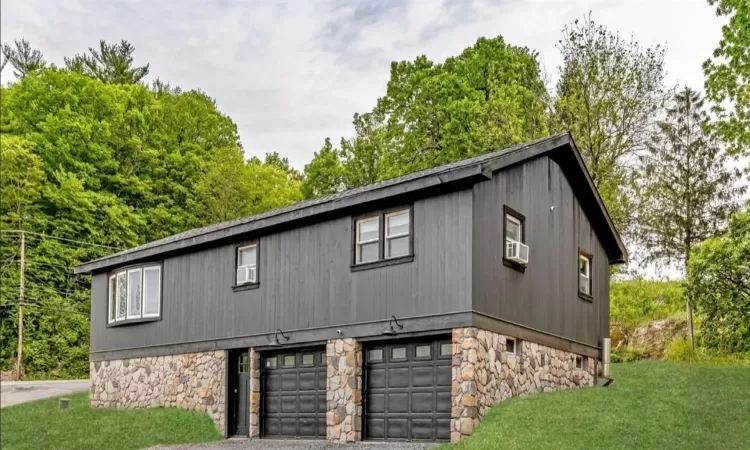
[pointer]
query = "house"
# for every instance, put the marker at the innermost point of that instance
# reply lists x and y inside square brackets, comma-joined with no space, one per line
[399,310]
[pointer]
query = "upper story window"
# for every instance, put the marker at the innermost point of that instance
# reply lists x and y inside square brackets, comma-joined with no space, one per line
[584,275]
[134,295]
[247,264]
[383,237]
[515,251]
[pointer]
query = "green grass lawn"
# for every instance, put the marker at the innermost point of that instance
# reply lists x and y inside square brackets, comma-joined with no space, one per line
[42,425]
[651,405]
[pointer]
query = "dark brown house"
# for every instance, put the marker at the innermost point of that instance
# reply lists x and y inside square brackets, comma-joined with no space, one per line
[398,310]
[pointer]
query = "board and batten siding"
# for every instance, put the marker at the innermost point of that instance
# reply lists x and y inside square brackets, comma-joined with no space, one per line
[545,297]
[305,282]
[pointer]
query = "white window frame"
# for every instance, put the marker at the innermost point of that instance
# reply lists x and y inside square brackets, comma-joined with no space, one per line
[111,308]
[119,318]
[517,221]
[587,276]
[144,294]
[254,264]
[515,346]
[359,243]
[127,295]
[388,237]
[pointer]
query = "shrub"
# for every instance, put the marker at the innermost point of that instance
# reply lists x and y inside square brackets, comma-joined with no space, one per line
[627,353]
[639,301]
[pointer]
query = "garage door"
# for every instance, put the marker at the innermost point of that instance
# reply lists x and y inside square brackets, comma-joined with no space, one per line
[408,390]
[294,394]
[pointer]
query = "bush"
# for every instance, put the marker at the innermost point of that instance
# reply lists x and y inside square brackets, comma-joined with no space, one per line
[680,350]
[637,302]
[626,353]
[719,286]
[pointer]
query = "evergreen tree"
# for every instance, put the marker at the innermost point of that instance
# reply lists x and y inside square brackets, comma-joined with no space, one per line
[112,63]
[23,58]
[691,186]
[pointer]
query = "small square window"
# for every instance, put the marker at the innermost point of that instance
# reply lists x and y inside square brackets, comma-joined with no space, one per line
[308,359]
[510,346]
[289,360]
[398,353]
[423,351]
[271,362]
[446,349]
[376,355]
[579,362]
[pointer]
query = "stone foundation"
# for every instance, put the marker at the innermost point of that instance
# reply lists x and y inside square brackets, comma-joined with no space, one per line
[485,374]
[344,390]
[254,393]
[192,381]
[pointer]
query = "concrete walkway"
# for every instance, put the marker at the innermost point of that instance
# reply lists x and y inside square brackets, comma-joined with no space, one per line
[15,392]
[289,444]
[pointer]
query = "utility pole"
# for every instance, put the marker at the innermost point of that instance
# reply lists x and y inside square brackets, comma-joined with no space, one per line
[20,306]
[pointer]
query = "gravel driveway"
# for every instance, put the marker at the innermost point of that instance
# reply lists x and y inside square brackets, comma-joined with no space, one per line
[278,444]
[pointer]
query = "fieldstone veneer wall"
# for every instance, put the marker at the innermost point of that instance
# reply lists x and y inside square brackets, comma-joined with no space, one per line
[192,381]
[485,374]
[344,390]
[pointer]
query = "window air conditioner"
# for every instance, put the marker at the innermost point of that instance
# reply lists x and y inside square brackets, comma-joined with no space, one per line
[516,251]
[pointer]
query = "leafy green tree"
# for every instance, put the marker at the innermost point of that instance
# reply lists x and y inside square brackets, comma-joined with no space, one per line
[488,97]
[324,174]
[23,58]
[112,63]
[691,187]
[728,75]
[609,95]
[21,178]
[720,286]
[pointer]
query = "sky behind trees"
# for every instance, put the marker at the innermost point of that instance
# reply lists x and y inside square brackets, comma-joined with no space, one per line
[291,73]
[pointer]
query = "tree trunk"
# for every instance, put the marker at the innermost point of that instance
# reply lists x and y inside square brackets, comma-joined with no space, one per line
[688,307]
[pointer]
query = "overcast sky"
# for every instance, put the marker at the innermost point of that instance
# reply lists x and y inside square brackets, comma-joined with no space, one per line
[290,73]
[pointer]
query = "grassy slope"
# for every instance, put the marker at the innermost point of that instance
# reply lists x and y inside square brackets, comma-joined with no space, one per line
[651,405]
[42,425]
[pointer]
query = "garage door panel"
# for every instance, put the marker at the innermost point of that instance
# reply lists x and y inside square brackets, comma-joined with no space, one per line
[376,378]
[294,394]
[397,427]
[398,377]
[408,390]
[443,400]
[423,376]
[398,402]
[422,402]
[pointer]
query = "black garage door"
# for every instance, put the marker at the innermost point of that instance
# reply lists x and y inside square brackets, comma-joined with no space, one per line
[408,390]
[294,394]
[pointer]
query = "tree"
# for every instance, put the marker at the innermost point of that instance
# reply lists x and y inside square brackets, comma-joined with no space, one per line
[690,185]
[21,179]
[728,75]
[23,58]
[489,97]
[719,284]
[609,94]
[112,63]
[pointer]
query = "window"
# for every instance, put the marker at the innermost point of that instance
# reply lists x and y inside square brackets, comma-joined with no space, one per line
[446,349]
[289,360]
[423,351]
[134,295]
[584,275]
[383,238]
[397,234]
[515,250]
[398,353]
[579,362]
[271,362]
[510,345]
[247,264]
[376,355]
[244,364]
[368,240]
[308,359]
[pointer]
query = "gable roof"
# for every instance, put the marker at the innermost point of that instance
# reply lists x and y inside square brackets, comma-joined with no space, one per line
[453,176]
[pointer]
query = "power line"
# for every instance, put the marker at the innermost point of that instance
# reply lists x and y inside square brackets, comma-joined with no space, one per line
[59,238]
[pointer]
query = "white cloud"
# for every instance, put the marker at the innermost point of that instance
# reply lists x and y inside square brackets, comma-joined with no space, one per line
[291,73]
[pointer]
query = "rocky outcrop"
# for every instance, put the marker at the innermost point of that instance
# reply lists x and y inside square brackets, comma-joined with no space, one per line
[192,381]
[654,337]
[485,374]
[344,390]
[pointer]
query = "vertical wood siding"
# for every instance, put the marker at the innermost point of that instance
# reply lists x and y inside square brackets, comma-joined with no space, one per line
[305,281]
[545,297]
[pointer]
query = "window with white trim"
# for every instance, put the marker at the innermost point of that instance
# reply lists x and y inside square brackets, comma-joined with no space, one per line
[134,294]
[397,234]
[367,240]
[584,274]
[515,250]
[247,264]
